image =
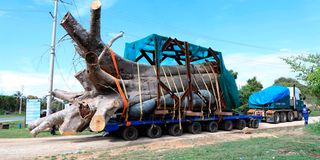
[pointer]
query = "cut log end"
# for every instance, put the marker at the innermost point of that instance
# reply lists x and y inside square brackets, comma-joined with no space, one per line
[65,17]
[97,123]
[96,4]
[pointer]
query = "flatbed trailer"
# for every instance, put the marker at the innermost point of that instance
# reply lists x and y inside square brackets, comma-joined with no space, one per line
[191,108]
[155,127]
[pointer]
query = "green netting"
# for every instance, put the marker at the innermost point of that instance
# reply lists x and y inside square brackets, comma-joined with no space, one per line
[227,81]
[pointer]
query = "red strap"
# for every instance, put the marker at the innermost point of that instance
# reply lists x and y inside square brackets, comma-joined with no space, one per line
[123,97]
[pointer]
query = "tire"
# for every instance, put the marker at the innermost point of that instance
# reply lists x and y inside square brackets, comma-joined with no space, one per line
[227,125]
[212,126]
[175,130]
[299,116]
[194,128]
[283,117]
[290,116]
[130,133]
[241,124]
[276,118]
[255,123]
[154,131]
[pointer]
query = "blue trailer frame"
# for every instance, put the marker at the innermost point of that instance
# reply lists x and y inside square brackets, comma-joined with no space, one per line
[114,125]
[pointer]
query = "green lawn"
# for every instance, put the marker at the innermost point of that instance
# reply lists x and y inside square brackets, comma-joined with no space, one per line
[15,132]
[315,113]
[15,114]
[302,147]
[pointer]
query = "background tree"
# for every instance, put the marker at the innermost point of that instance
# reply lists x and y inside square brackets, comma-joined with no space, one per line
[313,80]
[308,69]
[234,73]
[253,85]
[303,64]
[289,82]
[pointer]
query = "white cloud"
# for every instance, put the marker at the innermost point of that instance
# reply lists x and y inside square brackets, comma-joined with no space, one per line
[2,13]
[266,67]
[34,83]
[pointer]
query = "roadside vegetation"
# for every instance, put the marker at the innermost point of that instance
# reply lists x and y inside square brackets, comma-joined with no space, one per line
[12,115]
[314,129]
[15,132]
[299,144]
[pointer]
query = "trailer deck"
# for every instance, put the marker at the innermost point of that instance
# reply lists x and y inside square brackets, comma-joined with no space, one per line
[158,125]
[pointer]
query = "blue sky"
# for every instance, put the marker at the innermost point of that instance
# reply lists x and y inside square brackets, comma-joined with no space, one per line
[251,34]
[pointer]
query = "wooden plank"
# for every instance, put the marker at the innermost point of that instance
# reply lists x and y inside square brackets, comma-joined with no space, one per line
[191,113]
[223,113]
[161,112]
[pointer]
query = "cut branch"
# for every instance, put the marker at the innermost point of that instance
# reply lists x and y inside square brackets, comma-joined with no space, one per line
[98,77]
[83,78]
[119,35]
[95,19]
[76,32]
[64,95]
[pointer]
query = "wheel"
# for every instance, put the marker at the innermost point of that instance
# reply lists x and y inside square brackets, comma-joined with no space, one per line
[283,117]
[194,128]
[212,126]
[130,133]
[299,116]
[290,116]
[175,130]
[255,123]
[154,131]
[227,125]
[240,124]
[276,118]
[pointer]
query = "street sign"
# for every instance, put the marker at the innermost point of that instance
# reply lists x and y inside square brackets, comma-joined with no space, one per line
[33,110]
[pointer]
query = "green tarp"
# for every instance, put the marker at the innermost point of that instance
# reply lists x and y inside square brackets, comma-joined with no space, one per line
[227,81]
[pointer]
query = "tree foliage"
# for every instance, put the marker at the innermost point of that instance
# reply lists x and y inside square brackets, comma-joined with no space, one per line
[289,82]
[233,73]
[314,82]
[303,64]
[253,85]
[11,103]
[308,69]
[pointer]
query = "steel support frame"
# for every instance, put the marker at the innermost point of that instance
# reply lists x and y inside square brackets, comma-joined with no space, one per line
[184,51]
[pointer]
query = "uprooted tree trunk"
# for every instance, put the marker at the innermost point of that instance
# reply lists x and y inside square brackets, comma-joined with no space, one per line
[100,99]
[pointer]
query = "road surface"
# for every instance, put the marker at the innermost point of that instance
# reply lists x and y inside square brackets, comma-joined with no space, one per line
[30,148]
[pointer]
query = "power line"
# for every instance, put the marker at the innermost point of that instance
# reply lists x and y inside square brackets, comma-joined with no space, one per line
[75,5]
[61,74]
[151,21]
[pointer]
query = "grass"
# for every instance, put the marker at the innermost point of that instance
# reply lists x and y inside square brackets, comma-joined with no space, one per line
[285,147]
[314,128]
[315,113]
[15,114]
[15,132]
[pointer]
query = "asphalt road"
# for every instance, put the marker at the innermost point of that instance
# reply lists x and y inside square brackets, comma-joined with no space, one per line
[29,148]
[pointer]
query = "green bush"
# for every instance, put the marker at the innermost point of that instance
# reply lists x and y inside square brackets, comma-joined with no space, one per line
[1,111]
[242,109]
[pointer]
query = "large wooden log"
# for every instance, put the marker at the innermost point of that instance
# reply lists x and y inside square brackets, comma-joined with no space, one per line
[100,100]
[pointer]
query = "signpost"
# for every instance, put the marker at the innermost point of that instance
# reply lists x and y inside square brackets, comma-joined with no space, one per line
[32,110]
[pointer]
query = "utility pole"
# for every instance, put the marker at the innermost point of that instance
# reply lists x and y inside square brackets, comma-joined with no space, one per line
[52,55]
[20,105]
